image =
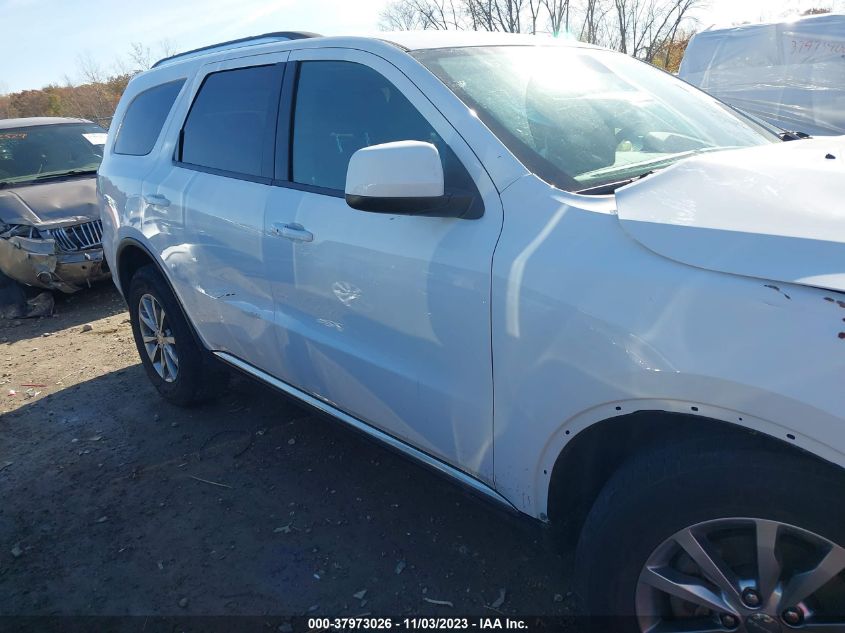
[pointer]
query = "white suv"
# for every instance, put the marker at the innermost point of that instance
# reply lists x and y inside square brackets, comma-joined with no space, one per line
[570,281]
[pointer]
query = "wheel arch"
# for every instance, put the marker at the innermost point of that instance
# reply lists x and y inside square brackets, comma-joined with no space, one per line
[591,457]
[130,257]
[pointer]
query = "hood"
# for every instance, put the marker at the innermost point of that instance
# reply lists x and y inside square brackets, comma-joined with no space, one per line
[776,212]
[57,202]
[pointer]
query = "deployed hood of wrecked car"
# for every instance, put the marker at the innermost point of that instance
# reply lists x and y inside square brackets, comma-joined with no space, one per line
[55,201]
[776,212]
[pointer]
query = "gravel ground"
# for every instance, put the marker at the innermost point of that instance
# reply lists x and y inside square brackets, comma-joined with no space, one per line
[116,503]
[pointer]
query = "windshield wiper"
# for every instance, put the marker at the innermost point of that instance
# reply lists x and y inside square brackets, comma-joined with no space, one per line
[62,174]
[611,187]
[661,163]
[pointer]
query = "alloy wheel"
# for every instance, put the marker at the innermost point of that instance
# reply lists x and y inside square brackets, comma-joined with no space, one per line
[158,338]
[746,575]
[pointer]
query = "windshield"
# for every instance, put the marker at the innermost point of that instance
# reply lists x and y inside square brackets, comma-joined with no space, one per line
[29,154]
[582,118]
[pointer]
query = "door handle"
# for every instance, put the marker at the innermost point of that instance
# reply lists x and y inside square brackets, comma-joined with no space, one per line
[293,231]
[156,200]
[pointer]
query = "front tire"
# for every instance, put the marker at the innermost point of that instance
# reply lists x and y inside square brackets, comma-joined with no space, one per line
[709,538]
[181,370]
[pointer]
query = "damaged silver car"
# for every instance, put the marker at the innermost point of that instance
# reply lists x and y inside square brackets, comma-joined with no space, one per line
[50,231]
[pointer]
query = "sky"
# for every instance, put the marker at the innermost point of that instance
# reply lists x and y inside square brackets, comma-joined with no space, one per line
[44,40]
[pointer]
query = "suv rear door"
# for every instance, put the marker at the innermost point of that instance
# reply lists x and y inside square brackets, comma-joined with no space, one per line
[210,196]
[385,316]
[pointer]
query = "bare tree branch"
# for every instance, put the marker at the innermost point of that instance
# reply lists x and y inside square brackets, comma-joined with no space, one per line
[558,12]
[644,29]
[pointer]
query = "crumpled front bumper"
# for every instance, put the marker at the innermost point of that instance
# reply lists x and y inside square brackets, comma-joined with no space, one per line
[39,263]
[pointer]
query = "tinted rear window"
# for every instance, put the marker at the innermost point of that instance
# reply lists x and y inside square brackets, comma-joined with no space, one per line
[228,127]
[144,119]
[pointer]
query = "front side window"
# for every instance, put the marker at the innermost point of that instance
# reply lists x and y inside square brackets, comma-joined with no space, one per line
[144,119]
[29,154]
[582,119]
[342,107]
[230,122]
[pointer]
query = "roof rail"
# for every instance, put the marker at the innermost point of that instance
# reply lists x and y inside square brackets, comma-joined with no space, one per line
[244,41]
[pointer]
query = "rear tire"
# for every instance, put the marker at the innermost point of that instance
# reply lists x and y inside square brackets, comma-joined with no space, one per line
[182,371]
[661,509]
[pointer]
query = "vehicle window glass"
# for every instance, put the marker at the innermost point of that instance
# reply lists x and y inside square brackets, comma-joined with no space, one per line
[606,119]
[342,107]
[227,126]
[39,152]
[144,119]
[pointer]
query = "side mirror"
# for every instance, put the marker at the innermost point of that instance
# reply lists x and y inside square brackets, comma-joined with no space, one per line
[404,177]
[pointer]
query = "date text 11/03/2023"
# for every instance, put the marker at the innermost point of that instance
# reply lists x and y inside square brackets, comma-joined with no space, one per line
[417,623]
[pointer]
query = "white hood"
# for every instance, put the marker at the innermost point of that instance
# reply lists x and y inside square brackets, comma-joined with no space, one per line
[776,212]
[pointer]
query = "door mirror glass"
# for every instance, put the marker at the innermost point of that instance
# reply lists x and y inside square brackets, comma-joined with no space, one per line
[403,177]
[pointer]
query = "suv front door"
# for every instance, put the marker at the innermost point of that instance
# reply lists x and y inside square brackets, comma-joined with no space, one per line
[386,317]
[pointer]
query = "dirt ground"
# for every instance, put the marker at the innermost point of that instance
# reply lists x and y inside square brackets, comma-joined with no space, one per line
[116,503]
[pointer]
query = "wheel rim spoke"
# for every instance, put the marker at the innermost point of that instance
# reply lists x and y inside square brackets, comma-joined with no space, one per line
[698,577]
[170,362]
[167,366]
[157,339]
[146,313]
[807,583]
[714,568]
[686,588]
[768,565]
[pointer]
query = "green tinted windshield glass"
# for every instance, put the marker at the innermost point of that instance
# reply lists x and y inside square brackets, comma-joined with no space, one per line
[30,153]
[580,118]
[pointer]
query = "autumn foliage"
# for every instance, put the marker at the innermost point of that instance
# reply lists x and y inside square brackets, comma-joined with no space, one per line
[94,101]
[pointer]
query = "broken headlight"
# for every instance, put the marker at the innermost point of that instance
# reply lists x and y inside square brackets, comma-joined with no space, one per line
[19,230]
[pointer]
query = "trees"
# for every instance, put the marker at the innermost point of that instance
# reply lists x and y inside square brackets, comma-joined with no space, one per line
[648,26]
[670,54]
[141,57]
[413,15]
[558,12]
[92,101]
[647,29]
[93,95]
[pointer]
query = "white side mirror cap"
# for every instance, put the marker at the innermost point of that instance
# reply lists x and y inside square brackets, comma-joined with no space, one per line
[403,169]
